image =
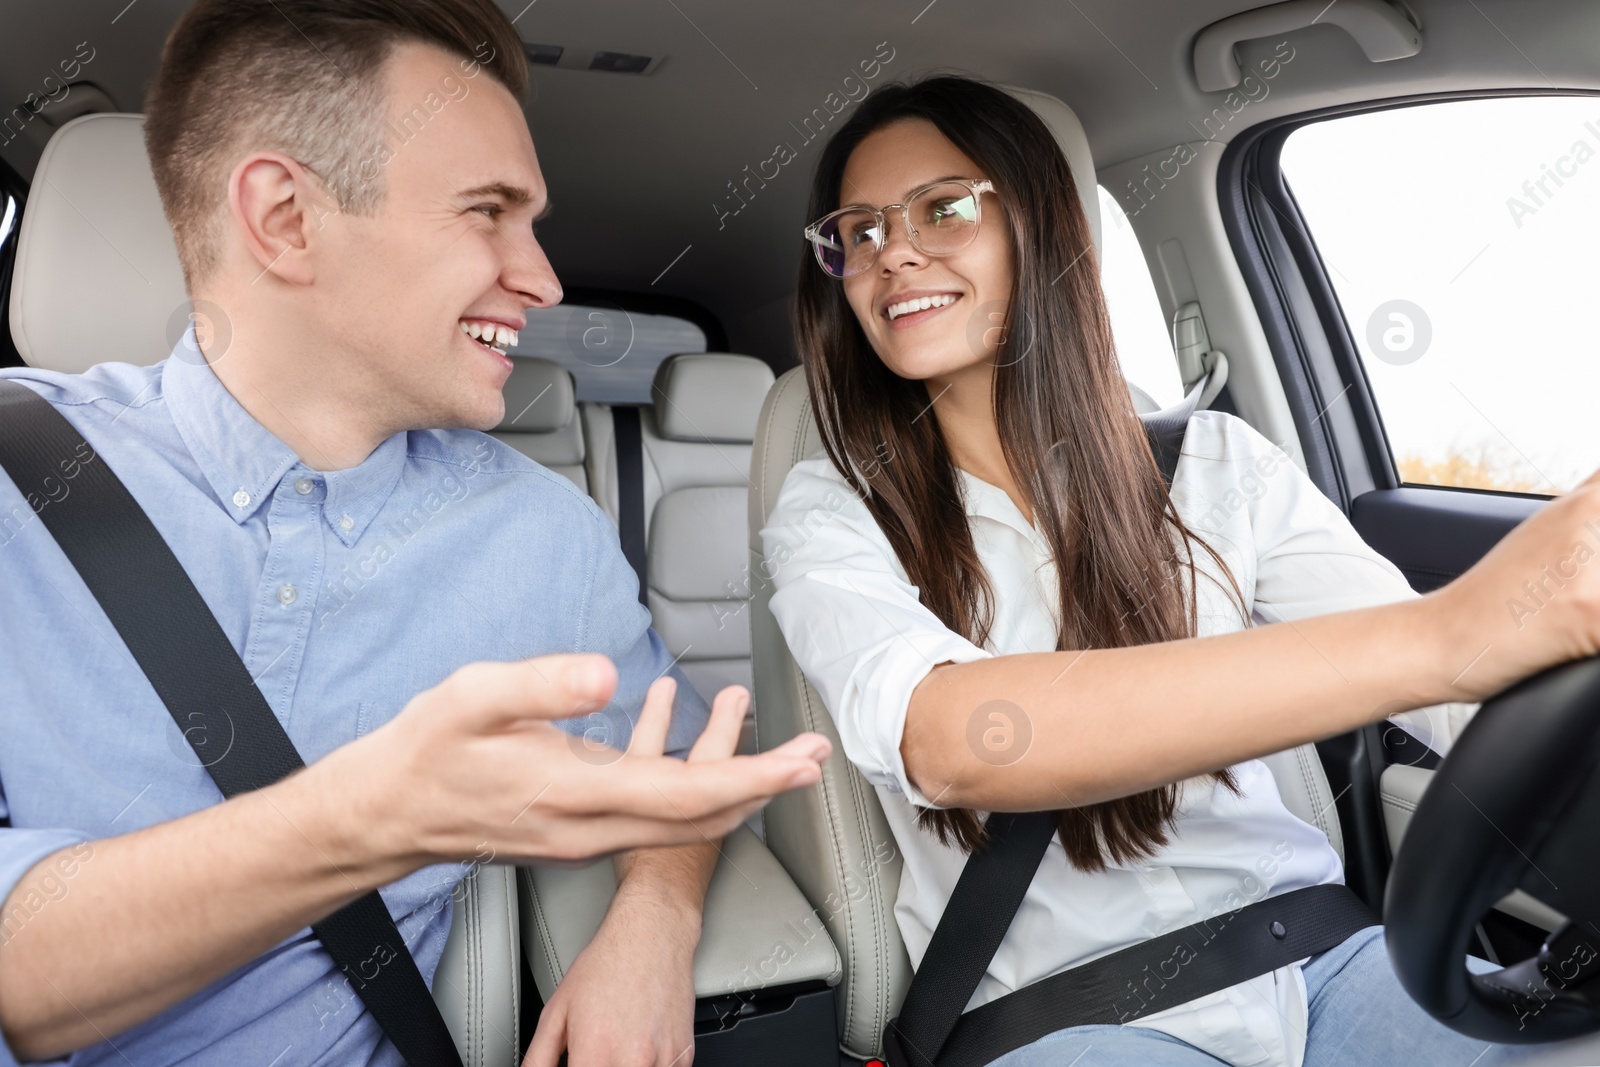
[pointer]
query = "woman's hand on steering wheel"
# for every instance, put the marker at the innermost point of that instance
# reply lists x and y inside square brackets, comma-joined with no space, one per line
[1532,601]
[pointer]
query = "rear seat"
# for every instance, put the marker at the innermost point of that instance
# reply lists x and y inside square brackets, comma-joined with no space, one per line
[763,967]
[696,439]
[542,419]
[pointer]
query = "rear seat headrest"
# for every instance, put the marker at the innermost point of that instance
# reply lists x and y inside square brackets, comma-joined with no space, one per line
[710,396]
[539,396]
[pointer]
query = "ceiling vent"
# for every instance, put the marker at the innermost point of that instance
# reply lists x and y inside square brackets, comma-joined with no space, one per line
[567,57]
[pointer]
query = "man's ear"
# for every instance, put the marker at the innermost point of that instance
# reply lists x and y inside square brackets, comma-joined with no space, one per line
[279,210]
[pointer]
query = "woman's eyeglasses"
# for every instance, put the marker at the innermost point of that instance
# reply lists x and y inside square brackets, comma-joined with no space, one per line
[939,218]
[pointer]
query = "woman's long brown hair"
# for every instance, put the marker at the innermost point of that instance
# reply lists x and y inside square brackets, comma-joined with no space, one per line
[1068,430]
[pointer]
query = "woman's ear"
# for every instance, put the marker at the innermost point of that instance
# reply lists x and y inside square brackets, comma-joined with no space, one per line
[279,211]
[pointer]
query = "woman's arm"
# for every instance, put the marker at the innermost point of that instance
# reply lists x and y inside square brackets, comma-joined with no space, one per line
[1110,722]
[1349,644]
[913,701]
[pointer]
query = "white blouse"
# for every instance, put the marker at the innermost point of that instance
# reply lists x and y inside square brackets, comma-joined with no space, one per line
[857,630]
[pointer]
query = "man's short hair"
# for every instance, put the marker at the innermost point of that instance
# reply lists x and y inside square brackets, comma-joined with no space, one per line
[301,77]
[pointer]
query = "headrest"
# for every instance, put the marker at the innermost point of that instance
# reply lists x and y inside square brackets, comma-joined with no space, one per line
[1069,135]
[93,234]
[539,396]
[710,396]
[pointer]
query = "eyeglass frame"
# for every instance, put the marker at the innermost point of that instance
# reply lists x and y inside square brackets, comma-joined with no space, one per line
[979,186]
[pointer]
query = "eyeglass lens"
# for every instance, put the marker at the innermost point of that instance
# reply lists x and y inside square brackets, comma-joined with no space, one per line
[944,219]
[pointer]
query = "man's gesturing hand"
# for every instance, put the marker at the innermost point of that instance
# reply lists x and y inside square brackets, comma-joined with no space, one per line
[475,764]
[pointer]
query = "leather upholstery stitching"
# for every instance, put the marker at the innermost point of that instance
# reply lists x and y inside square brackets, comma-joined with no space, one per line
[1327,814]
[473,925]
[509,887]
[877,948]
[766,444]
[1311,790]
[803,690]
[830,809]
[546,941]
[857,955]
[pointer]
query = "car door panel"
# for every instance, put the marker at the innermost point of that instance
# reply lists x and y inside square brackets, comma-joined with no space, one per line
[1435,534]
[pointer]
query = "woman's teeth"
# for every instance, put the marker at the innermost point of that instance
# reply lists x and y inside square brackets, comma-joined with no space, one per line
[921,303]
[492,334]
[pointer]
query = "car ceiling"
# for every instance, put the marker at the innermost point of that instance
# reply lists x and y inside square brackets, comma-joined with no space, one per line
[639,164]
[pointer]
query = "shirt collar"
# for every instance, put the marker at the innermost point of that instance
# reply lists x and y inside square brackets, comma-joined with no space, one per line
[355,495]
[986,500]
[245,463]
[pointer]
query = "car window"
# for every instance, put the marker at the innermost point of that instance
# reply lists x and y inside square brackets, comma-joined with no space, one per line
[611,352]
[1144,344]
[8,250]
[1458,237]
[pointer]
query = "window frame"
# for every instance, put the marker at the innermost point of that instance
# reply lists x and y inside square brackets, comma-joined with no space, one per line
[1341,431]
[13,185]
[1318,358]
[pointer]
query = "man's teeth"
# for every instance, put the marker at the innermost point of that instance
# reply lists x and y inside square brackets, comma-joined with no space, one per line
[921,303]
[492,334]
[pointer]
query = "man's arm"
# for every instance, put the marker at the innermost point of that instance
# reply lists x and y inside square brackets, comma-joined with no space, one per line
[161,913]
[673,881]
[643,957]
[643,953]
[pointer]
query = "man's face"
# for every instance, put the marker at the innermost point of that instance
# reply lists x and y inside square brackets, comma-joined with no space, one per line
[451,248]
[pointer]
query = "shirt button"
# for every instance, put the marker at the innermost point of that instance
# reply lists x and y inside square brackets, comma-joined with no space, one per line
[346,523]
[287,594]
[304,485]
[241,499]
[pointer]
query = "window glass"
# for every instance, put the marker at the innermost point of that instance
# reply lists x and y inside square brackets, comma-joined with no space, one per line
[1144,343]
[8,242]
[1458,237]
[612,353]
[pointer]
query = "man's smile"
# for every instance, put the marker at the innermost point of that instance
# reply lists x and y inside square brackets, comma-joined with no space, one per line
[494,336]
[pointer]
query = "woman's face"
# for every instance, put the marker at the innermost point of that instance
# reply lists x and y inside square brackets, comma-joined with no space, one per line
[940,342]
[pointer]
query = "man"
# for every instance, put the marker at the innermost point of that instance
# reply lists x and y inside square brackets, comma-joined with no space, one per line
[352,187]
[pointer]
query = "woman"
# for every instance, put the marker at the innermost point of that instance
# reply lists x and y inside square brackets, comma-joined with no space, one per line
[1005,609]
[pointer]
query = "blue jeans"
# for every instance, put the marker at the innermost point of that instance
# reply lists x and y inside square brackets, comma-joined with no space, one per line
[1359,1017]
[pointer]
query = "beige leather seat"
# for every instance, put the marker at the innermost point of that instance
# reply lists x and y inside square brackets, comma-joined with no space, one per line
[696,439]
[94,225]
[832,838]
[541,418]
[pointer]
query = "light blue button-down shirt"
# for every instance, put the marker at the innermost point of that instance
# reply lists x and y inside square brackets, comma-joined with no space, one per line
[345,593]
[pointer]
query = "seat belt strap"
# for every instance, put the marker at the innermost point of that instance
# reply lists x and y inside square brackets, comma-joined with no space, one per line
[630,492]
[974,922]
[173,636]
[1163,972]
[1165,429]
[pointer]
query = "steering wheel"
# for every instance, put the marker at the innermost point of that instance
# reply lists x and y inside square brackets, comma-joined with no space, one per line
[1515,805]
